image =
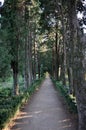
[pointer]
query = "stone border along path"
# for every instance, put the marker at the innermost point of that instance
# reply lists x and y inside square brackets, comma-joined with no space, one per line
[46,110]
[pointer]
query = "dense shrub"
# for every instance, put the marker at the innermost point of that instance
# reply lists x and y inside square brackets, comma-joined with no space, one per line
[64,91]
[8,107]
[5,92]
[10,104]
[5,114]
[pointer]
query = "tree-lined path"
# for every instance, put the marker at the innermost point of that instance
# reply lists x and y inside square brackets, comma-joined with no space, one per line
[45,111]
[38,36]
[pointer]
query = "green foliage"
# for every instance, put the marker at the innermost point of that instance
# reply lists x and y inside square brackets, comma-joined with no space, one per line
[64,91]
[5,59]
[46,61]
[4,115]
[5,92]
[8,107]
[10,104]
[34,86]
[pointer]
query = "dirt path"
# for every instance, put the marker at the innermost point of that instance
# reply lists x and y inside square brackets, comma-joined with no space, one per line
[45,111]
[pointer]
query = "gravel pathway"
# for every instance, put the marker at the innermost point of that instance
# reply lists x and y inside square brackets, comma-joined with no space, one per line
[45,110]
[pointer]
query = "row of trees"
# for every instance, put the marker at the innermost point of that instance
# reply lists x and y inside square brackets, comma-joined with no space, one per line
[19,54]
[66,39]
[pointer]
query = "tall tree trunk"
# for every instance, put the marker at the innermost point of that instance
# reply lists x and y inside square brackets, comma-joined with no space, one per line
[34,50]
[80,79]
[26,64]
[38,59]
[14,65]
[70,79]
[71,43]
[53,62]
[56,56]
[29,58]
[26,50]
[79,69]
[64,45]
[34,64]
[15,79]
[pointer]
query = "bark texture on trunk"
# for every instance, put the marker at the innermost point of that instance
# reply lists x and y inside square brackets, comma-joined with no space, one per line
[14,65]
[56,56]
[53,61]
[79,69]
[64,67]
[34,62]
[81,79]
[39,66]
[26,64]
[70,79]
[30,57]
[72,41]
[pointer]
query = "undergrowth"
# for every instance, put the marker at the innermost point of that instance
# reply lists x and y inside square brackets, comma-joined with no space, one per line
[64,92]
[10,104]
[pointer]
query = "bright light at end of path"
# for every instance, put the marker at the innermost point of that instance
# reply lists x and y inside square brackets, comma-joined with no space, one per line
[47,74]
[1,3]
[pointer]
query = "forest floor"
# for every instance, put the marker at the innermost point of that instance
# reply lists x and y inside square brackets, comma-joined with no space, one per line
[46,110]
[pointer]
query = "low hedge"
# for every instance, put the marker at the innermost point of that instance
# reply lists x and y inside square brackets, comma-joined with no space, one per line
[64,92]
[8,107]
[10,104]
[5,92]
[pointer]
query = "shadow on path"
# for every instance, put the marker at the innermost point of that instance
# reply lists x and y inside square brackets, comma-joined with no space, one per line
[45,111]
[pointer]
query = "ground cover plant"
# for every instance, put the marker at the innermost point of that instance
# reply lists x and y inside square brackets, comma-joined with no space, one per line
[68,98]
[9,104]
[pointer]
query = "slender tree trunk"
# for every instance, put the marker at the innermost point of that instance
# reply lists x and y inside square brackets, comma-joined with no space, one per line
[15,81]
[70,79]
[71,43]
[28,49]
[62,67]
[56,56]
[64,45]
[34,42]
[14,65]
[26,64]
[29,59]
[38,59]
[53,62]
[34,62]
